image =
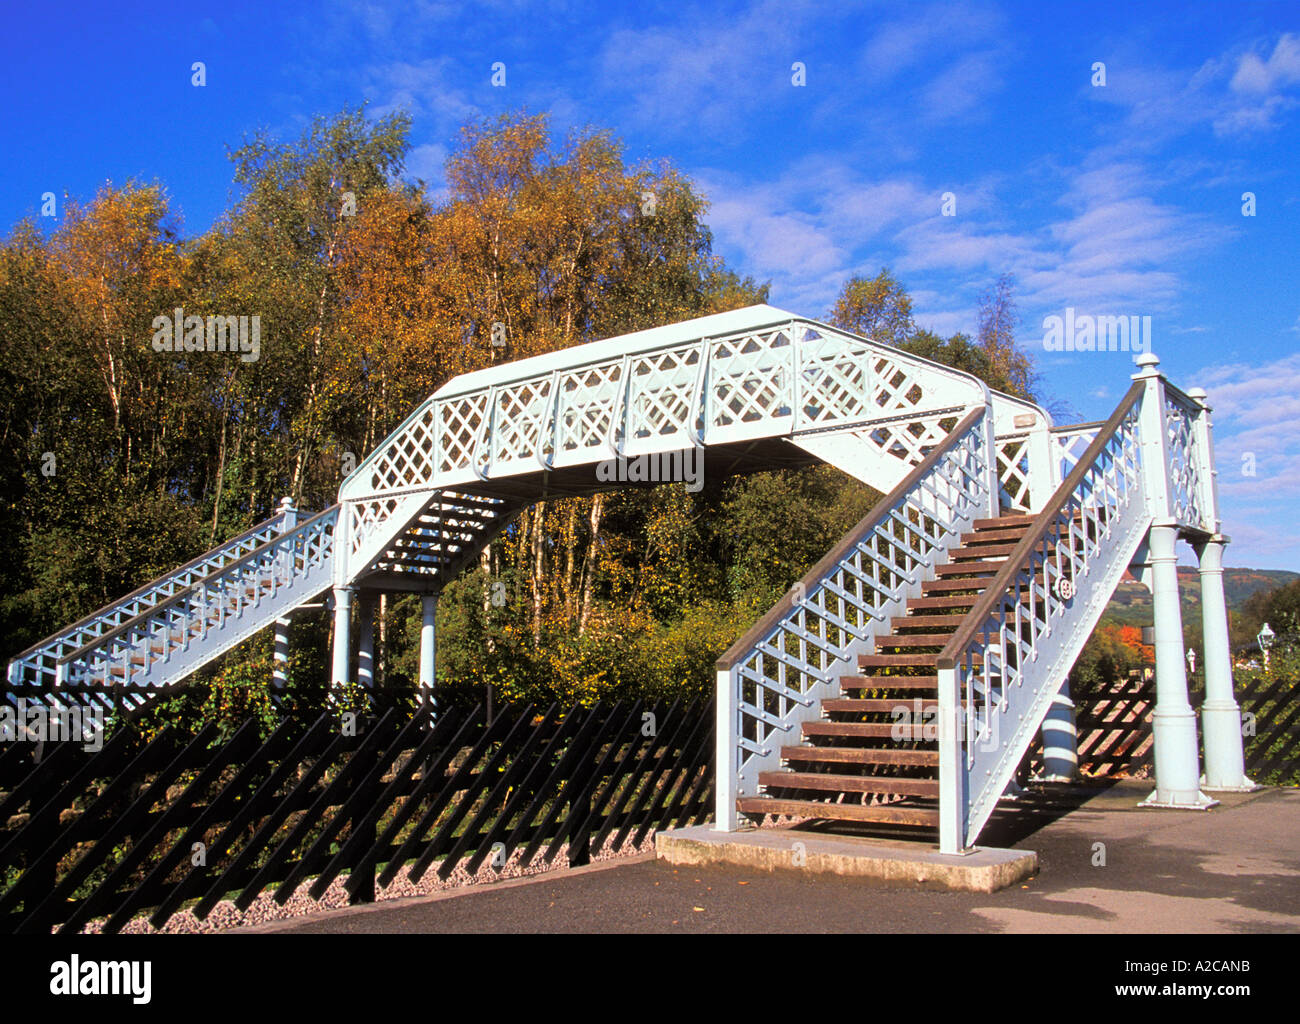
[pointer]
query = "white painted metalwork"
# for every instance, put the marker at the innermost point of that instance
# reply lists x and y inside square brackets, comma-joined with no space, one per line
[946,448]
[1007,660]
[747,375]
[37,665]
[775,676]
[1190,470]
[210,616]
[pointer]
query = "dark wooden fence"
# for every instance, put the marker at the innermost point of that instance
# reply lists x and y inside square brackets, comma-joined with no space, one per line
[1115,740]
[189,821]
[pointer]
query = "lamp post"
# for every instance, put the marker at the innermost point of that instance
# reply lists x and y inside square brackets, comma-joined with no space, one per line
[1265,639]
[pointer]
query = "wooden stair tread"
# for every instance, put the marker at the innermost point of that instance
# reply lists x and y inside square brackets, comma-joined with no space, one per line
[871,705]
[862,755]
[926,622]
[857,730]
[920,682]
[989,568]
[899,815]
[915,640]
[786,779]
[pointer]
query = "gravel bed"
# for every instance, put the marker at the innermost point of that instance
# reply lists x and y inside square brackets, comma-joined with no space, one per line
[226,915]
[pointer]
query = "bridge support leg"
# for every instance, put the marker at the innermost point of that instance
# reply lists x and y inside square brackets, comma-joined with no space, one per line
[366,641]
[280,659]
[1225,768]
[1174,722]
[954,785]
[1060,739]
[428,646]
[725,816]
[342,674]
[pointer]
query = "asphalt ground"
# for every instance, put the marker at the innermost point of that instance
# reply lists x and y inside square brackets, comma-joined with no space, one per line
[1232,869]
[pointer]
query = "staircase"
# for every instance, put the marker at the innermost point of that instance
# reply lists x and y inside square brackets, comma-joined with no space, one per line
[178,623]
[901,693]
[873,755]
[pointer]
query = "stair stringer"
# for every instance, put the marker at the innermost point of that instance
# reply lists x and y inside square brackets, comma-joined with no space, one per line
[284,573]
[221,639]
[1055,656]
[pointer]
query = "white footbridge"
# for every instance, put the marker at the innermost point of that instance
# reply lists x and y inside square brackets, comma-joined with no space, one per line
[757,389]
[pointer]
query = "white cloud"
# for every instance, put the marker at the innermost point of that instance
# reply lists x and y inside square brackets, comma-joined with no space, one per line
[1261,77]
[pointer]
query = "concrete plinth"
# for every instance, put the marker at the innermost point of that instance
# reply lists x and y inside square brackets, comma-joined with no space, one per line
[983,869]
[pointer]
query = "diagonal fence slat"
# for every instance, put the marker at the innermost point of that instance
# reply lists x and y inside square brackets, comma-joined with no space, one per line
[93,840]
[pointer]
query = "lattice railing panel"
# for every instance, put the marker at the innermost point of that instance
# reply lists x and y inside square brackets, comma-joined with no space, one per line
[1014,474]
[460,424]
[1068,446]
[37,666]
[128,655]
[589,397]
[519,412]
[1187,487]
[749,380]
[663,400]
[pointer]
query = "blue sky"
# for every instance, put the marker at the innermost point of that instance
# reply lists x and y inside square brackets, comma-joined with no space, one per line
[1123,198]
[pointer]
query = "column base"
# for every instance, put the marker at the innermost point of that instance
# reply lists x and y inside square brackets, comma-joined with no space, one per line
[1180,800]
[1245,786]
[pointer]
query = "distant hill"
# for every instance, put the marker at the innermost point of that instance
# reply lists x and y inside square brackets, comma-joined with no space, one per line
[1132,601]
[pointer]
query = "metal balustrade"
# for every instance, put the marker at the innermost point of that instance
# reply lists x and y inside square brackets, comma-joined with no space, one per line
[948,450]
[1004,664]
[1189,467]
[36,666]
[775,676]
[210,616]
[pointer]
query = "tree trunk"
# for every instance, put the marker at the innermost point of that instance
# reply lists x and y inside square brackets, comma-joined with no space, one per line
[538,569]
[589,569]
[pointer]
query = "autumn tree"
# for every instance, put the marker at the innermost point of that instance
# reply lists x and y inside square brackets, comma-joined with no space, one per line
[998,320]
[878,308]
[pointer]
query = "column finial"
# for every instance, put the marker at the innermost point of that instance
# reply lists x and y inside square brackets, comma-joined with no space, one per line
[1147,363]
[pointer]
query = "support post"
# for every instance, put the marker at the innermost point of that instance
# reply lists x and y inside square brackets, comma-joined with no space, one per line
[1044,470]
[1174,722]
[1060,739]
[953,785]
[994,504]
[1225,768]
[725,816]
[341,675]
[280,658]
[288,514]
[428,648]
[366,640]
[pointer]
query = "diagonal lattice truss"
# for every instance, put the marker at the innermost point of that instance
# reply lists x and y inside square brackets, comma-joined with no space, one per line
[1189,502]
[205,619]
[729,379]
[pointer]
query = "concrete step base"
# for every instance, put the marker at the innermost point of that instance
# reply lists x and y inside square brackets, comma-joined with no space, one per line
[982,869]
